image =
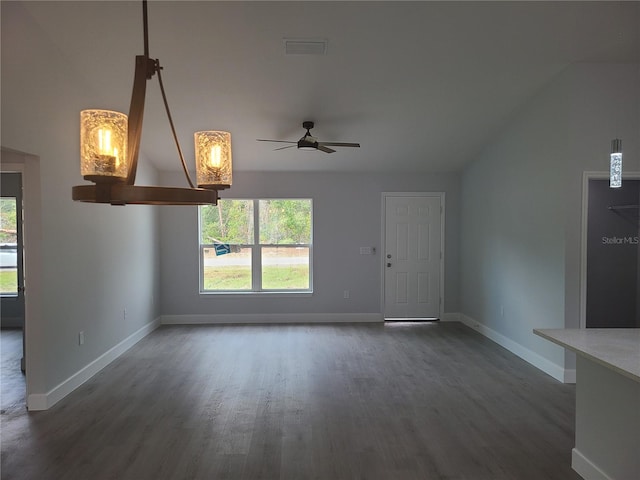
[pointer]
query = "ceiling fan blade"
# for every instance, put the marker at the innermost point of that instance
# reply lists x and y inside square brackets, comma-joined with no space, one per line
[324,149]
[339,144]
[278,141]
[282,148]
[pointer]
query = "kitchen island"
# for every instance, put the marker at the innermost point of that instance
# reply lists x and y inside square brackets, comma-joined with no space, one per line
[607,445]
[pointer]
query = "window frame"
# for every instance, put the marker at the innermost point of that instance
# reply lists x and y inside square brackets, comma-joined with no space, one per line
[256,254]
[11,294]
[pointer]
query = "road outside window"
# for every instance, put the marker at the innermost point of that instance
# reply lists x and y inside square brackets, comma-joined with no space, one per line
[256,245]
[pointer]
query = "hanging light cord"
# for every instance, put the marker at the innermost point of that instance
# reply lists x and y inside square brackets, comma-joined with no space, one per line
[157,69]
[173,130]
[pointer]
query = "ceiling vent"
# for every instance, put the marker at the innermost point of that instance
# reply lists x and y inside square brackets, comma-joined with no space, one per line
[305,46]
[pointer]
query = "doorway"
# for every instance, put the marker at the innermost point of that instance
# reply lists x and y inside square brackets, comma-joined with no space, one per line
[12,161]
[613,247]
[610,280]
[11,265]
[413,246]
[12,291]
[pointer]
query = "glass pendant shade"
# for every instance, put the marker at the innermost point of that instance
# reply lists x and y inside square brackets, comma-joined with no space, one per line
[213,159]
[103,146]
[615,171]
[110,147]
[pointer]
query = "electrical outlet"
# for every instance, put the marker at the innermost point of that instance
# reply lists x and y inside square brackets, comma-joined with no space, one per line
[81,338]
[346,294]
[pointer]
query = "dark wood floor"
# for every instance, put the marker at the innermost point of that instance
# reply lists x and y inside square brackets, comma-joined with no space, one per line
[12,380]
[329,402]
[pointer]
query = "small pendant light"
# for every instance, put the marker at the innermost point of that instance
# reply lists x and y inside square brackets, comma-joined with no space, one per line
[615,169]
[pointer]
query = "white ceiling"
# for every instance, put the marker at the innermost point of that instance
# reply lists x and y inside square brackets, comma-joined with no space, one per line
[421,85]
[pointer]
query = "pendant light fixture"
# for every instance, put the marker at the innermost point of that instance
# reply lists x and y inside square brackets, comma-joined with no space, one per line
[110,142]
[615,165]
[615,158]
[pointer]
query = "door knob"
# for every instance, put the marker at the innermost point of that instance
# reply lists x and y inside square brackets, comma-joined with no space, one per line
[388,255]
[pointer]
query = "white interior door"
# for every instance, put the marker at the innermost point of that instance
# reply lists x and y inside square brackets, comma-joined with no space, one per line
[413,256]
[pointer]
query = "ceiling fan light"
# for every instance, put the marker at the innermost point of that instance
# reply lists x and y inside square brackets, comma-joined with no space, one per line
[213,159]
[103,146]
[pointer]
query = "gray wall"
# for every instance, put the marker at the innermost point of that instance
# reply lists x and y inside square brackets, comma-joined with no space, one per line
[605,104]
[96,259]
[522,203]
[347,215]
[512,247]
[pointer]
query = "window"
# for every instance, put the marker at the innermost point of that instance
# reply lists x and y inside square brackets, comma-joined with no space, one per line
[256,245]
[8,246]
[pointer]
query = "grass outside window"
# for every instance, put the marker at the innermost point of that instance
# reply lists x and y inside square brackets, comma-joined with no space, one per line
[8,282]
[256,245]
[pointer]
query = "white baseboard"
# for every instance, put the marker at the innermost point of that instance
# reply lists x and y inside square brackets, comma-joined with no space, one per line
[261,318]
[547,366]
[44,401]
[585,468]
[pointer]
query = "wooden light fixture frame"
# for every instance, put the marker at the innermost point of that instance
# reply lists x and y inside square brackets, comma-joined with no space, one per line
[123,191]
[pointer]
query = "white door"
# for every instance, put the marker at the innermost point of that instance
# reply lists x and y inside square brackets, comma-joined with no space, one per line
[413,255]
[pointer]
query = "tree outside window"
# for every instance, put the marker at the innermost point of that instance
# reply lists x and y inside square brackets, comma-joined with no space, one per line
[258,245]
[8,246]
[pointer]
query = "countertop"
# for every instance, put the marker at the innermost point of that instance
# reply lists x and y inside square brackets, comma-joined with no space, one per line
[614,348]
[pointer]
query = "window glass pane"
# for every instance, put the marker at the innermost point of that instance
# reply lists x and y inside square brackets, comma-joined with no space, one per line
[231,221]
[231,271]
[8,246]
[285,268]
[285,221]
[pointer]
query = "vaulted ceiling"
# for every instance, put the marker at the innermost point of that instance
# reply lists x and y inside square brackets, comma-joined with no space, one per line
[421,85]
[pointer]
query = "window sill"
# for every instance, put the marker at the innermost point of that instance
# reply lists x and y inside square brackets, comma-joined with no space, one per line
[260,294]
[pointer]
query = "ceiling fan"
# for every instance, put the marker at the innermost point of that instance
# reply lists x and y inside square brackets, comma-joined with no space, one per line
[309,142]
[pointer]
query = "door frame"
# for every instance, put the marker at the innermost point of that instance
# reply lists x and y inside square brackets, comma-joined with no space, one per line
[29,166]
[586,176]
[383,242]
[14,304]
